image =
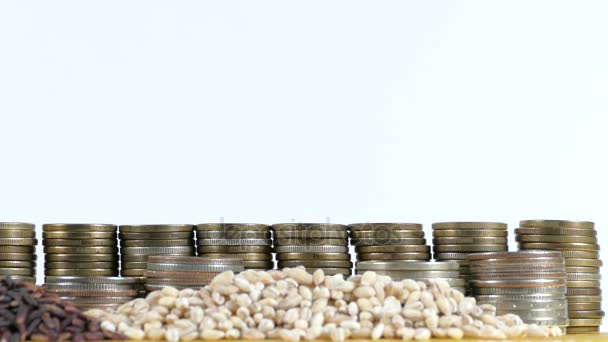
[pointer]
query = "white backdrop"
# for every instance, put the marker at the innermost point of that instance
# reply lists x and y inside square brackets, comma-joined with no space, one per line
[185,112]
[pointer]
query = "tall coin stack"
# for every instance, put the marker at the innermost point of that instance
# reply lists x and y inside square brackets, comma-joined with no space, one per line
[94,292]
[389,241]
[456,240]
[138,242]
[314,246]
[187,272]
[417,270]
[18,251]
[249,241]
[577,242]
[531,284]
[80,250]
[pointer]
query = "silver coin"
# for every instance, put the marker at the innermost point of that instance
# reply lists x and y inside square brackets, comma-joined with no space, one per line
[90,280]
[416,274]
[515,290]
[158,250]
[505,304]
[522,297]
[234,242]
[311,249]
[183,267]
[88,286]
[583,276]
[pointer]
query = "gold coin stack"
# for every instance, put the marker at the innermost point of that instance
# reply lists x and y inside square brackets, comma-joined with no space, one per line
[80,250]
[530,284]
[94,292]
[138,242]
[416,270]
[455,240]
[314,246]
[18,251]
[187,272]
[248,241]
[577,241]
[389,241]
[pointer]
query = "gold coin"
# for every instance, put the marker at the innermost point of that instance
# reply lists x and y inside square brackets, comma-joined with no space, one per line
[132,273]
[582,330]
[469,233]
[17,249]
[81,265]
[555,231]
[310,234]
[80,257]
[584,322]
[80,242]
[156,228]
[385,241]
[17,233]
[235,234]
[234,249]
[18,242]
[393,249]
[244,256]
[313,256]
[581,254]
[124,265]
[156,243]
[470,248]
[78,227]
[78,235]
[585,306]
[557,224]
[584,262]
[556,238]
[576,314]
[291,242]
[385,226]
[565,246]
[157,235]
[386,234]
[75,272]
[581,291]
[82,250]
[309,226]
[232,227]
[584,299]
[18,256]
[469,225]
[27,271]
[17,263]
[582,269]
[17,226]
[315,263]
[469,240]
[258,264]
[583,283]
[394,256]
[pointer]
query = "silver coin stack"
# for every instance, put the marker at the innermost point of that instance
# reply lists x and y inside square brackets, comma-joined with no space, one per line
[94,292]
[531,284]
[416,270]
[314,246]
[248,241]
[18,251]
[187,272]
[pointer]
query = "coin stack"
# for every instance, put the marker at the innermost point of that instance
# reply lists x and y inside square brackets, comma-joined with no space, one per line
[577,242]
[18,251]
[249,241]
[417,270]
[187,272]
[531,284]
[80,250]
[137,242]
[93,292]
[389,241]
[456,240]
[314,246]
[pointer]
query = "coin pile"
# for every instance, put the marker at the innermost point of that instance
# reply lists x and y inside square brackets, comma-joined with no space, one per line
[80,250]
[18,251]
[417,270]
[94,292]
[577,241]
[187,272]
[249,241]
[137,242]
[456,240]
[389,241]
[314,246]
[530,284]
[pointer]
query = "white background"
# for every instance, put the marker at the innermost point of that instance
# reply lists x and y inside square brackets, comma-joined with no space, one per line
[185,112]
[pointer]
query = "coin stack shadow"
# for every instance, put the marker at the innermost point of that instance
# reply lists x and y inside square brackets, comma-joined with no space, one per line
[577,242]
[138,242]
[249,241]
[80,250]
[94,292]
[416,270]
[530,284]
[187,272]
[18,251]
[389,241]
[455,240]
[314,246]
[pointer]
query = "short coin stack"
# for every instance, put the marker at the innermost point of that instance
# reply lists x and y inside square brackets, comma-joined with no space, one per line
[187,272]
[577,242]
[94,292]
[456,240]
[531,284]
[18,251]
[417,270]
[314,246]
[80,250]
[249,241]
[137,242]
[389,241]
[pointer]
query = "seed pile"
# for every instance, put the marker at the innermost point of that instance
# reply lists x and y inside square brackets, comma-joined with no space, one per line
[292,304]
[27,312]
